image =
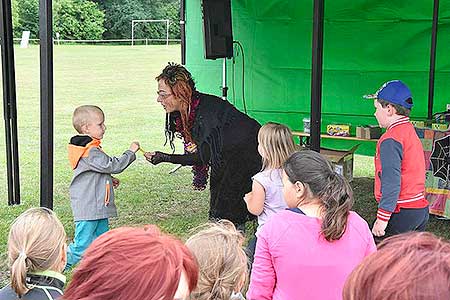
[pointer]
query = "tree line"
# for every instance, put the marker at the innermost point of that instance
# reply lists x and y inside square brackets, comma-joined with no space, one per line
[98,19]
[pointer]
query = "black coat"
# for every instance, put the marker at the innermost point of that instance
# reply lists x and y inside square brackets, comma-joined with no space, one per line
[227,140]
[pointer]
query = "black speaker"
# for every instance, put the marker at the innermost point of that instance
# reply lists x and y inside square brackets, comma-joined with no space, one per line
[217,29]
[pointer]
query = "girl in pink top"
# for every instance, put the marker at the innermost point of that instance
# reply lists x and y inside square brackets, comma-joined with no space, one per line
[275,145]
[308,250]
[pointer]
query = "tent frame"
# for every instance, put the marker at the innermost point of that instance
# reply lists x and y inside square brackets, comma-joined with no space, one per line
[46,89]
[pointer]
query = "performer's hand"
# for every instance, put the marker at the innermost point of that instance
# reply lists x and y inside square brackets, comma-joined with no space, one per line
[247,197]
[148,156]
[157,157]
[379,228]
[134,146]
[115,182]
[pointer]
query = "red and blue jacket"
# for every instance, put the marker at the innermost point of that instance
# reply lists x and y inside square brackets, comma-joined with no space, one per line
[399,170]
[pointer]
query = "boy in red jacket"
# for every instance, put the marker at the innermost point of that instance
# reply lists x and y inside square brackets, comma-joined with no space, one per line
[399,164]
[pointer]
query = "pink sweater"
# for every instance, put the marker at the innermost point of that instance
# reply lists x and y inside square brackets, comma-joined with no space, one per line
[292,261]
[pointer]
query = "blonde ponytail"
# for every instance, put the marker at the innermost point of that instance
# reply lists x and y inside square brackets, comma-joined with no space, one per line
[35,242]
[19,273]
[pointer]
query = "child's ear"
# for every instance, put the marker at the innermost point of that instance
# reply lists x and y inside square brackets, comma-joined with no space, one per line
[63,257]
[85,128]
[391,110]
[300,190]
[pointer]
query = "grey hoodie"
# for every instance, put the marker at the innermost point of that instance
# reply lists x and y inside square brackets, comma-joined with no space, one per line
[91,189]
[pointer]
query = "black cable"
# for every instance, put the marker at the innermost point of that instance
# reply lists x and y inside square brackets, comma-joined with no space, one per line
[233,78]
[243,74]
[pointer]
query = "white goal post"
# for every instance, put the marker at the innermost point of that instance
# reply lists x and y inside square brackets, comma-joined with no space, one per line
[135,22]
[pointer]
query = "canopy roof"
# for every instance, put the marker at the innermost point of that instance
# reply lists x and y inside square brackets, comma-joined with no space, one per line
[365,44]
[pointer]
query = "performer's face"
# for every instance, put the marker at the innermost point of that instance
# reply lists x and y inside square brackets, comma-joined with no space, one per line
[167,98]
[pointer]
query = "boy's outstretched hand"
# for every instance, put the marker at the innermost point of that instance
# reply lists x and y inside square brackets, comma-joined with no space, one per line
[134,146]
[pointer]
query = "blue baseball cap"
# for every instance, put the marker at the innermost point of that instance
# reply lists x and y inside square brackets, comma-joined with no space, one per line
[395,92]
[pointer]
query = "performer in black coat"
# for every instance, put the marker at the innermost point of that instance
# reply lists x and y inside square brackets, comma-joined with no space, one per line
[216,135]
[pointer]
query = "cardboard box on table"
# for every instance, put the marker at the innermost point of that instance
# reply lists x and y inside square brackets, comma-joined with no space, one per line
[342,160]
[368,132]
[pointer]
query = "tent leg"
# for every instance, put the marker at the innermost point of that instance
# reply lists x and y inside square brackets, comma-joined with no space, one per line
[9,102]
[46,91]
[316,74]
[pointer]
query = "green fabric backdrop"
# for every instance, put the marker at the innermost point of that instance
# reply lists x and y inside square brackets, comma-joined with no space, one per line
[365,44]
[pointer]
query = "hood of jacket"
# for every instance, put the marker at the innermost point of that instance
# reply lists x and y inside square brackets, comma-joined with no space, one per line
[79,147]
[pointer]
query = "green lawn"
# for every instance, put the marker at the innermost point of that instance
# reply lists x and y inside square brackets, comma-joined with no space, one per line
[119,79]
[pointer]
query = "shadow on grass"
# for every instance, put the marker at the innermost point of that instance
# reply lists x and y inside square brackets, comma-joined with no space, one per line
[366,206]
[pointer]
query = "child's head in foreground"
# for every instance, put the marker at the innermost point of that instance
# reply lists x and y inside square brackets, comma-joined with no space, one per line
[413,266]
[222,261]
[134,263]
[36,243]
[90,120]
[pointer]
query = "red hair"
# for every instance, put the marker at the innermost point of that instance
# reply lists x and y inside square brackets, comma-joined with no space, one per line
[132,263]
[411,266]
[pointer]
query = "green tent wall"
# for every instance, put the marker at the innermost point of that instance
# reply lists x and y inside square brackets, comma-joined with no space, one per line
[365,44]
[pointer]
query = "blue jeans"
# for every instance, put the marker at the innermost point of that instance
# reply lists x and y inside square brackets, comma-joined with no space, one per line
[85,233]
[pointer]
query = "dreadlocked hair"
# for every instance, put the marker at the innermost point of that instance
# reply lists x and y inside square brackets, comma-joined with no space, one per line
[183,86]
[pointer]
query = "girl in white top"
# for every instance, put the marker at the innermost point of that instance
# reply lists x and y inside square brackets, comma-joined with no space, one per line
[275,145]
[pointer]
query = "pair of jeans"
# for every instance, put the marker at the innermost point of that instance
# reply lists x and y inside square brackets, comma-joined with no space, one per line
[85,233]
[408,219]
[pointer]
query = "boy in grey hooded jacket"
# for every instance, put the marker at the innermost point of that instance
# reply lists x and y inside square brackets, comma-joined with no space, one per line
[91,189]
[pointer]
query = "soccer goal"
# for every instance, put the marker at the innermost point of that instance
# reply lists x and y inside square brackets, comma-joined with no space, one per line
[134,23]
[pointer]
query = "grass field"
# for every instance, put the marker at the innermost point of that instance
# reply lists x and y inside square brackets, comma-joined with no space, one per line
[119,79]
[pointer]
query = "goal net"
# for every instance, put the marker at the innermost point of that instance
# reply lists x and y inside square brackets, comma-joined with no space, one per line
[144,31]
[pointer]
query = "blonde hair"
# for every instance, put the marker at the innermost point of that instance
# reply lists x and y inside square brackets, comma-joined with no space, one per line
[83,115]
[221,259]
[277,144]
[35,242]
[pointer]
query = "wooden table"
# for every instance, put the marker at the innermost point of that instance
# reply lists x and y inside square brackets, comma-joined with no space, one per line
[304,137]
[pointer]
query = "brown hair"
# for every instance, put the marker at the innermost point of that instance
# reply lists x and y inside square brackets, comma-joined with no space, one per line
[35,243]
[180,81]
[83,114]
[336,196]
[277,143]
[132,263]
[221,258]
[413,266]
[401,110]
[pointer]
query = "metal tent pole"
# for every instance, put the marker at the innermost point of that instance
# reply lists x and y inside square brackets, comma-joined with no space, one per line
[9,102]
[316,74]
[434,30]
[46,93]
[183,31]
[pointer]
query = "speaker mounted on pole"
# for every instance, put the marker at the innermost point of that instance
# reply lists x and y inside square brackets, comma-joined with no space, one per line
[218,34]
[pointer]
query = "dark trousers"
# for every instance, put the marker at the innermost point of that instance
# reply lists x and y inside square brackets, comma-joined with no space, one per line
[408,219]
